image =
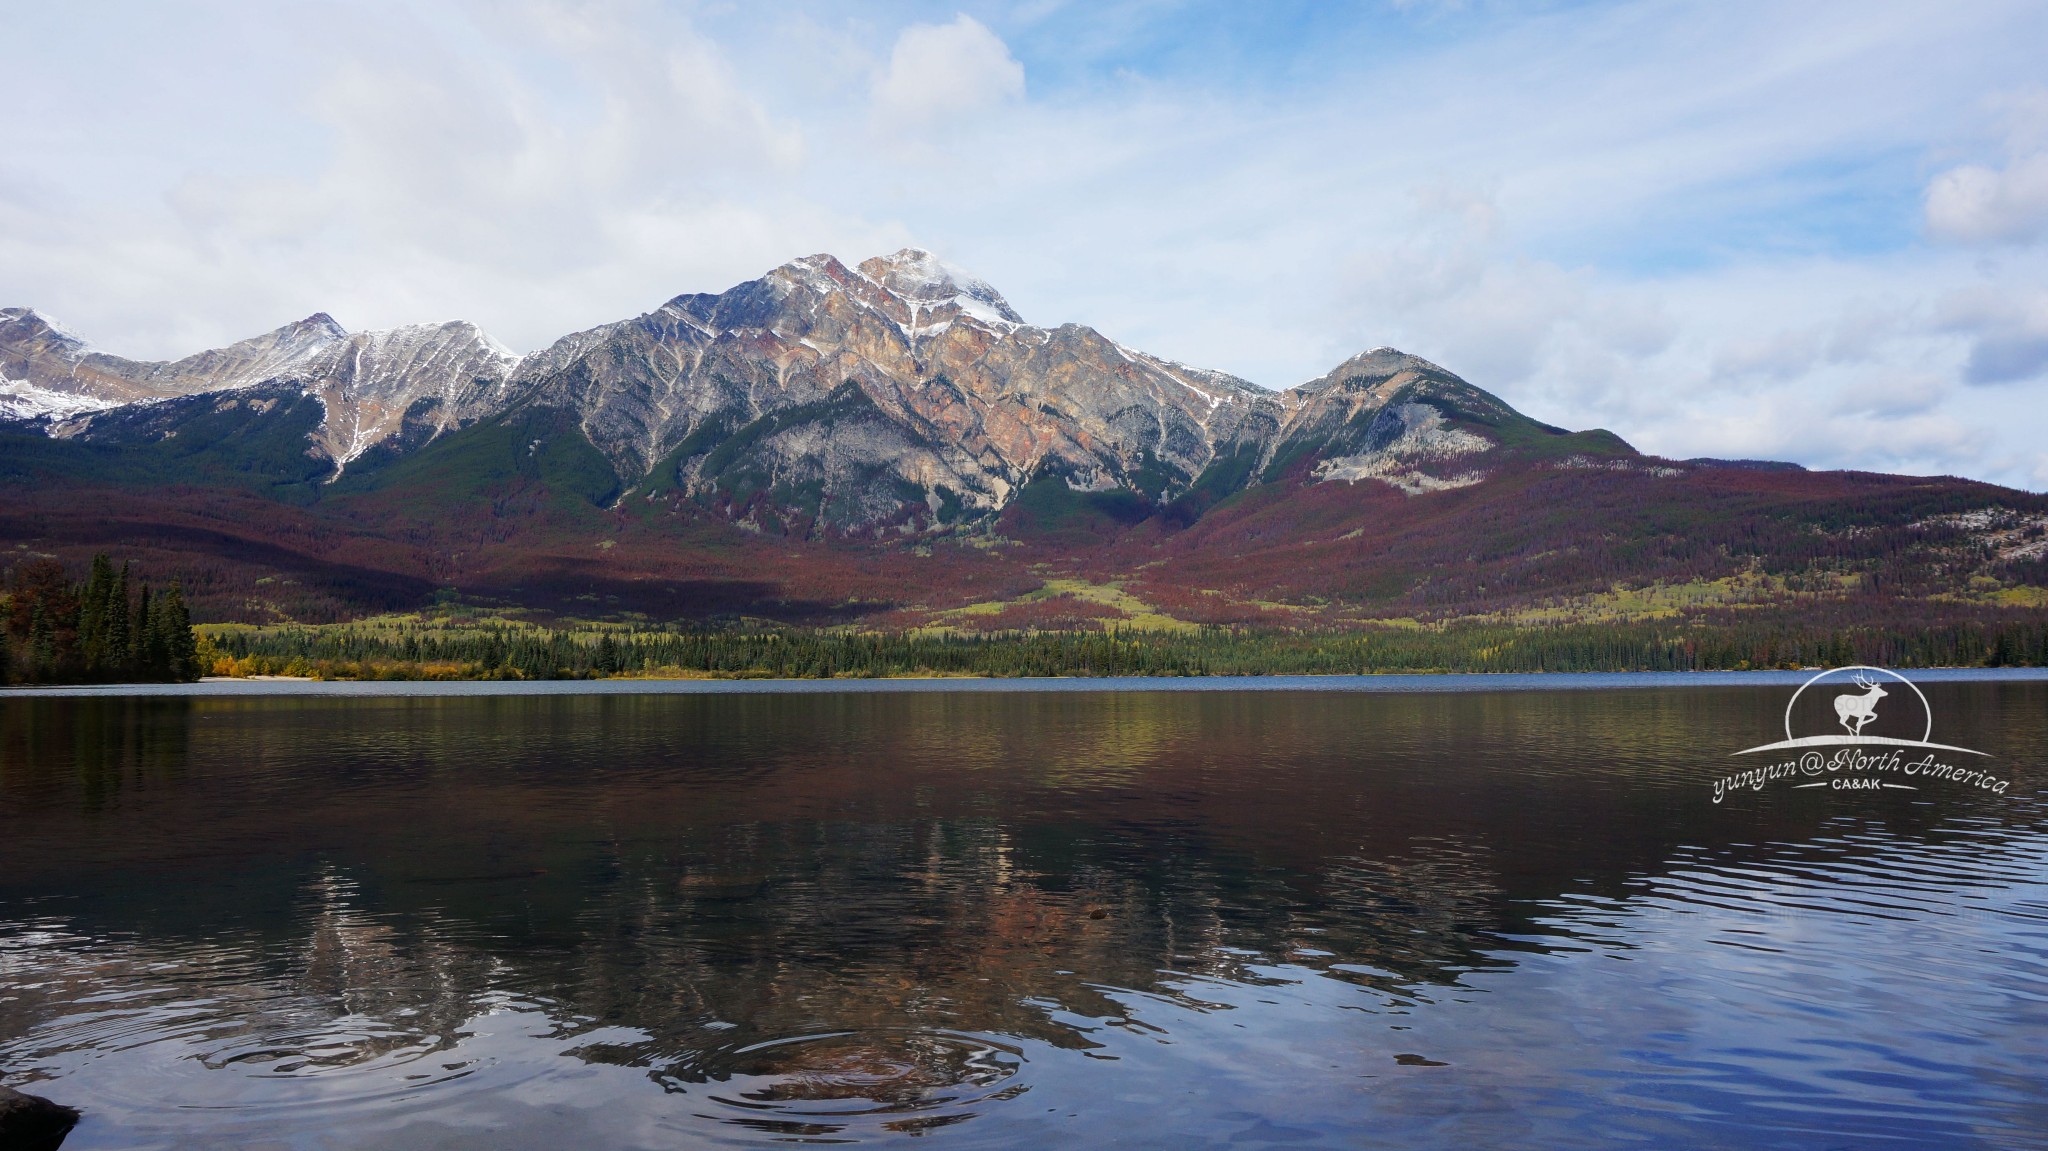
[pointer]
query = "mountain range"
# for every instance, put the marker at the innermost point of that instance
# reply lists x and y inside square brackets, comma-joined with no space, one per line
[892,443]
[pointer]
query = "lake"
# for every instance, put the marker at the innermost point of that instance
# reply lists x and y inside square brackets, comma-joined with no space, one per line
[974,917]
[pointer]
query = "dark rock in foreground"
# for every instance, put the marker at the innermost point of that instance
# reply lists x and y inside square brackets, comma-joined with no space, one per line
[33,1123]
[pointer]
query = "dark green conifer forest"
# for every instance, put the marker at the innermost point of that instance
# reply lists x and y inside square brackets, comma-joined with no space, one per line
[500,651]
[99,631]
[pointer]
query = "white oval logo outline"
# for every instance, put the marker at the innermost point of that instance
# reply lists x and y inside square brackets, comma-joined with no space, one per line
[1926,708]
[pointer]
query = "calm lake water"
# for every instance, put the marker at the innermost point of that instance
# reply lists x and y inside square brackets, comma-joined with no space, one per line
[1464,919]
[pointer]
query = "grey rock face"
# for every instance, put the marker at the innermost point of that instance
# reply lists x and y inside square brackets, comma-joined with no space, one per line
[1365,383]
[368,382]
[1358,408]
[371,383]
[1400,440]
[38,351]
[961,396]
[900,391]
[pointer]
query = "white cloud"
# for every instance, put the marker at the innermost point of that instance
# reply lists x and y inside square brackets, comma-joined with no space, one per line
[539,168]
[1646,217]
[1974,204]
[1486,317]
[1858,334]
[940,74]
[1977,204]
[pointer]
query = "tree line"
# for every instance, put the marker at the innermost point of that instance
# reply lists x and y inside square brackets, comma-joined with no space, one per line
[492,650]
[55,631]
[98,631]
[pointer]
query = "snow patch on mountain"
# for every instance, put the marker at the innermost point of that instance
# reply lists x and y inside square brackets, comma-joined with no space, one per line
[21,400]
[493,345]
[1222,389]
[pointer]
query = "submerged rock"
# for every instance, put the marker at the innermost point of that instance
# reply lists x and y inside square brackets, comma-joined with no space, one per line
[33,1123]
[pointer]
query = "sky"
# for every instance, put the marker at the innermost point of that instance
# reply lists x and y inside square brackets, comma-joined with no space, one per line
[1815,232]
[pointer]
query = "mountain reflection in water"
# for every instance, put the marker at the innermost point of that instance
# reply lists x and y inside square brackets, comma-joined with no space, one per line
[1010,920]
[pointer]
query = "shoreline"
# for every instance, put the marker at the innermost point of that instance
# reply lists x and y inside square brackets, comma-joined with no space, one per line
[1390,682]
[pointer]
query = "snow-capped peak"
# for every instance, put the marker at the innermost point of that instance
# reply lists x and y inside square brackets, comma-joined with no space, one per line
[922,278]
[322,323]
[491,342]
[457,337]
[55,325]
[71,342]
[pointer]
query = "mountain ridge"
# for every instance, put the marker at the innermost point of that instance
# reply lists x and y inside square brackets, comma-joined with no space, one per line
[892,442]
[969,402]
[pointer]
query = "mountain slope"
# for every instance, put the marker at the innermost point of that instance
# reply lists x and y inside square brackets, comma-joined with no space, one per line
[371,386]
[822,398]
[954,401]
[40,352]
[893,442]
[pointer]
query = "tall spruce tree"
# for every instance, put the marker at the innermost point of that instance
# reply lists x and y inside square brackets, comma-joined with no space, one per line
[96,611]
[142,660]
[181,651]
[42,645]
[92,612]
[120,656]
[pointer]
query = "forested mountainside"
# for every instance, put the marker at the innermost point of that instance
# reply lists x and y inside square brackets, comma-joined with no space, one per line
[890,446]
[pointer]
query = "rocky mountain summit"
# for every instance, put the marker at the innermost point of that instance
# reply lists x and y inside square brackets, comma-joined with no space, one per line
[893,444]
[37,351]
[860,392]
[366,382]
[898,393]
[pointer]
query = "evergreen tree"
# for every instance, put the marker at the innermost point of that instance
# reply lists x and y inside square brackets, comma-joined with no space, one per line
[142,652]
[94,607]
[158,645]
[120,658]
[42,645]
[181,651]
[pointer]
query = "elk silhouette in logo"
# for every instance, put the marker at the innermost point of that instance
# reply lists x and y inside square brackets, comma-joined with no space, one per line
[1856,710]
